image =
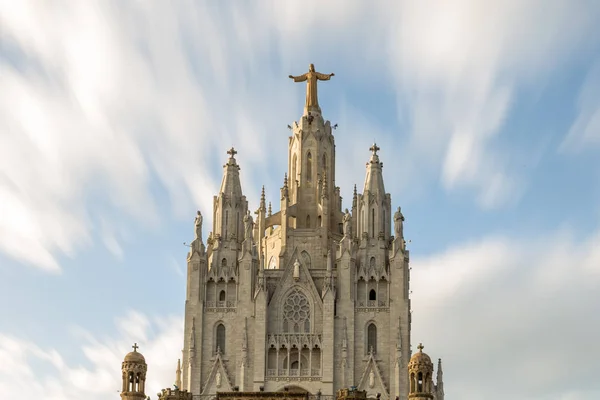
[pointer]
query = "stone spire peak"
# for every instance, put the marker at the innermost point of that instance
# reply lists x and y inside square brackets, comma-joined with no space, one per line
[230,185]
[374,179]
[262,198]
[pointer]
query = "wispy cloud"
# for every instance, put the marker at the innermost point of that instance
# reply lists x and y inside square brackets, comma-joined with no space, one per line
[458,67]
[104,102]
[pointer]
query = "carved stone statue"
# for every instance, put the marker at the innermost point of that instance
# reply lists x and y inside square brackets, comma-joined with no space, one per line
[248,226]
[371,379]
[311,78]
[218,379]
[198,225]
[347,224]
[399,224]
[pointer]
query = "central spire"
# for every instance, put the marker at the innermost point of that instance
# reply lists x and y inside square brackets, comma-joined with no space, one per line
[311,78]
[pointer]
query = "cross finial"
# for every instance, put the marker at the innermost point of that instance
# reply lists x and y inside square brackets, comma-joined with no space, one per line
[374,149]
[135,347]
[232,152]
[420,347]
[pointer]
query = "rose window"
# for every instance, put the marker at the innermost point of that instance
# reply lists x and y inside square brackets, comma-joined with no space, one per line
[296,313]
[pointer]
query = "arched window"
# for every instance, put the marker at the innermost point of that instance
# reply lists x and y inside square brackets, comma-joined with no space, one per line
[220,345]
[372,338]
[309,167]
[372,295]
[372,262]
[308,221]
[324,162]
[420,382]
[222,295]
[296,313]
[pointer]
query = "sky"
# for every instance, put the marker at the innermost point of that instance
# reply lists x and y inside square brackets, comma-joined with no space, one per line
[115,117]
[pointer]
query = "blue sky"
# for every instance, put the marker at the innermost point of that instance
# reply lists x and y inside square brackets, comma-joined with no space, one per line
[116,117]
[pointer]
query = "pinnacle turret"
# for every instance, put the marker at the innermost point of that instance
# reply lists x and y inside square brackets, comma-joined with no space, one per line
[374,179]
[230,184]
[374,203]
[230,204]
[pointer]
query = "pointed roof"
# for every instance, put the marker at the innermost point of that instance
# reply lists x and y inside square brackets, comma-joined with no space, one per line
[230,185]
[287,281]
[374,178]
[371,366]
[211,382]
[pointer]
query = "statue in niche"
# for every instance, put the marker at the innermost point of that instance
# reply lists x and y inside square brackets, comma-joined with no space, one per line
[198,226]
[218,379]
[371,379]
[399,224]
[248,226]
[347,224]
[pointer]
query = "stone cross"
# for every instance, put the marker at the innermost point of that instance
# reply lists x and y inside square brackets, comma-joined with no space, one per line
[232,152]
[135,347]
[420,347]
[374,148]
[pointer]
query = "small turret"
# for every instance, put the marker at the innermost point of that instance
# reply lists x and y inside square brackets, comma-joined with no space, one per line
[134,370]
[178,374]
[439,382]
[420,371]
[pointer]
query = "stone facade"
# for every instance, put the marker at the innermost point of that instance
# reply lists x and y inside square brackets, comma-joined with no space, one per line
[310,296]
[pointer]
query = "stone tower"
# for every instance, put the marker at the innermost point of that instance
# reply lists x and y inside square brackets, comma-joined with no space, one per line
[309,297]
[420,376]
[134,375]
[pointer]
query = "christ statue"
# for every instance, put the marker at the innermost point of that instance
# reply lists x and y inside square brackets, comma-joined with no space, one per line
[311,78]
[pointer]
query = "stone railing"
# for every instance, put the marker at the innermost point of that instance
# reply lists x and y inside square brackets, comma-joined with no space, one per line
[289,340]
[220,306]
[294,372]
[256,395]
[372,303]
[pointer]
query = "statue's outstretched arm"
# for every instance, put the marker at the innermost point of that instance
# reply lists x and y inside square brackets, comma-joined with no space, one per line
[324,77]
[300,78]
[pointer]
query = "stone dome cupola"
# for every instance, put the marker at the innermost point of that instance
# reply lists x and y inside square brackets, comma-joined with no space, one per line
[420,372]
[134,370]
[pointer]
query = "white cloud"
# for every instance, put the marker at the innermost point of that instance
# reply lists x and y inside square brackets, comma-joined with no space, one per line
[160,342]
[503,308]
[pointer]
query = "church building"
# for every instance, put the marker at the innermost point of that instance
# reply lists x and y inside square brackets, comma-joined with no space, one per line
[307,297]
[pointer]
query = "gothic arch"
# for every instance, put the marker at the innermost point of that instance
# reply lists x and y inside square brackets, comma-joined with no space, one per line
[220,337]
[305,258]
[371,336]
[309,167]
